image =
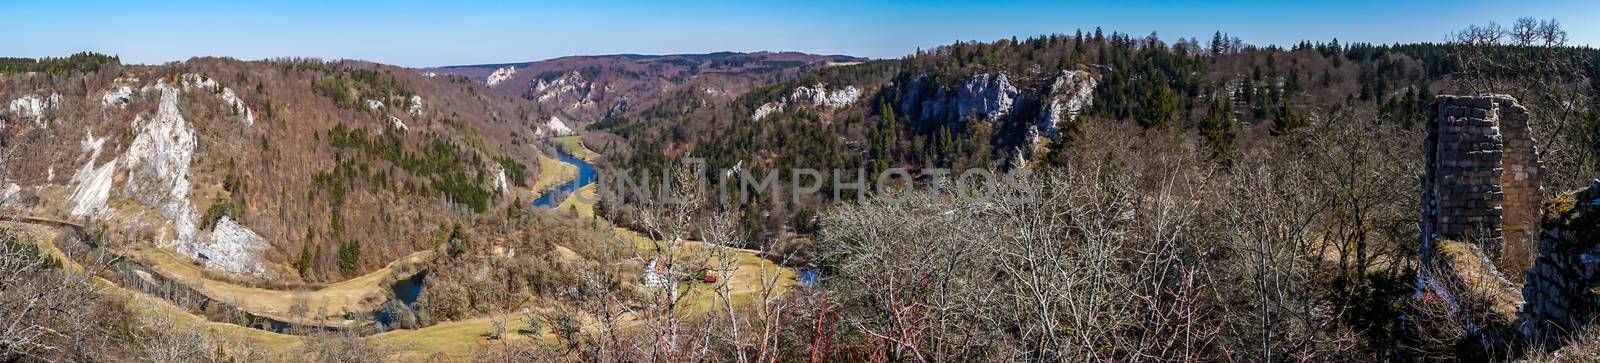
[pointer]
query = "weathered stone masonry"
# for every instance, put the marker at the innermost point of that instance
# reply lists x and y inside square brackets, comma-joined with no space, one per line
[1480,202]
[1561,288]
[1482,180]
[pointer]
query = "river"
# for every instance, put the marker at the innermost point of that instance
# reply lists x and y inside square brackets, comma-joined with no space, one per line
[586,176]
[408,290]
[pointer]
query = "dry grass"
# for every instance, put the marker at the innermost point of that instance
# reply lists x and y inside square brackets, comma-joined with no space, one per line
[147,305]
[457,340]
[326,305]
[573,145]
[745,282]
[552,172]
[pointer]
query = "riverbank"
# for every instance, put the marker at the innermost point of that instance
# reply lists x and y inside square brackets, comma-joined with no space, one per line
[573,145]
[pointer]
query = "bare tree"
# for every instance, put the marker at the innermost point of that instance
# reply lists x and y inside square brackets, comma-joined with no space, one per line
[1525,31]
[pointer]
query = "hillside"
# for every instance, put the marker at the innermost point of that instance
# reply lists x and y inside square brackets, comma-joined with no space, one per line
[1014,103]
[585,89]
[283,170]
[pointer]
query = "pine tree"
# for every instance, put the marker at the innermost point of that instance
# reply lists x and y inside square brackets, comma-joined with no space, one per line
[306,256]
[1218,128]
[946,145]
[349,257]
[883,139]
[1160,108]
[1286,120]
[1217,43]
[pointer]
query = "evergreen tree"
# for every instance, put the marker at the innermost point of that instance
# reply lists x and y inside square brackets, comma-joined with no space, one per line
[349,257]
[1218,43]
[883,139]
[306,256]
[1286,120]
[1160,108]
[1218,128]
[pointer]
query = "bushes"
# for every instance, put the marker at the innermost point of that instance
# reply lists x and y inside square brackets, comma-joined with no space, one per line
[443,299]
[218,209]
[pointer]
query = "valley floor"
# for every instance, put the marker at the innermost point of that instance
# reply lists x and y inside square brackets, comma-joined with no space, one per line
[456,340]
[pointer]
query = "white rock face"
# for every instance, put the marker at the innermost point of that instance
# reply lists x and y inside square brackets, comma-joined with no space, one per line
[33,107]
[1070,94]
[415,109]
[767,109]
[93,182]
[500,184]
[395,121]
[192,82]
[819,95]
[557,127]
[158,163]
[571,86]
[233,100]
[988,98]
[234,248]
[501,75]
[374,104]
[117,96]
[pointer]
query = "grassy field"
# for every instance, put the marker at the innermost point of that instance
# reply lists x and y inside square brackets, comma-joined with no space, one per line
[326,305]
[573,145]
[456,340]
[746,279]
[552,172]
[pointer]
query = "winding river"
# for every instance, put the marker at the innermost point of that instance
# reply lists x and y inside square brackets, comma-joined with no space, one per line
[408,290]
[586,176]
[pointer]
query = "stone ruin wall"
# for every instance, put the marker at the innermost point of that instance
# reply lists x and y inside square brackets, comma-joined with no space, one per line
[1561,288]
[1482,179]
[1483,214]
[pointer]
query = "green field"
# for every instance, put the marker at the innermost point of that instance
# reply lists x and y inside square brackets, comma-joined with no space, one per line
[573,145]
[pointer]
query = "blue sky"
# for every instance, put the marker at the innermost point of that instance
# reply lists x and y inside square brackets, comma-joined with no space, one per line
[418,33]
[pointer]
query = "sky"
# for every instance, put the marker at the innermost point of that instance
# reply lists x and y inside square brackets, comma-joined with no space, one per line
[422,33]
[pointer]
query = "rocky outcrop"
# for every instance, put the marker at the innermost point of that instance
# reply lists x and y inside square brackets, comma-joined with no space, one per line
[414,107]
[570,88]
[235,248]
[195,82]
[557,127]
[93,181]
[119,94]
[1069,95]
[820,95]
[766,109]
[500,75]
[814,95]
[500,184]
[986,98]
[31,107]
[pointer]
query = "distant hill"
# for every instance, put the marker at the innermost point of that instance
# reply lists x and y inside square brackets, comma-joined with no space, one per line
[585,89]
